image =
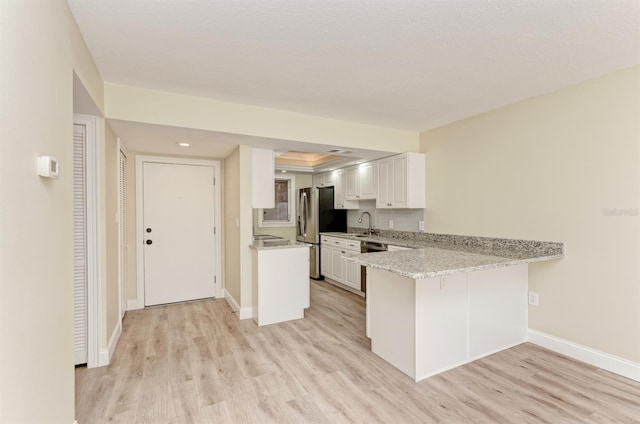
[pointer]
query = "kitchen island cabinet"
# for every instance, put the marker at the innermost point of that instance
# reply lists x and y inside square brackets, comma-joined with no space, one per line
[280,281]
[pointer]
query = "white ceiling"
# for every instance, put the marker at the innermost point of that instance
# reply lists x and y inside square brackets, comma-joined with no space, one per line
[164,139]
[407,64]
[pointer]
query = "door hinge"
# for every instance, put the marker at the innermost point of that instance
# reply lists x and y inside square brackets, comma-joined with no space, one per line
[214,231]
[215,279]
[214,180]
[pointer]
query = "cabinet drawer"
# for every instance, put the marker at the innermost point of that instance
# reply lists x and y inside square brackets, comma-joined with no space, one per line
[325,240]
[336,242]
[352,245]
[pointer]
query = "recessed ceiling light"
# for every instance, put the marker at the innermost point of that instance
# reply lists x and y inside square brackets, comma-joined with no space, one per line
[284,171]
[183,144]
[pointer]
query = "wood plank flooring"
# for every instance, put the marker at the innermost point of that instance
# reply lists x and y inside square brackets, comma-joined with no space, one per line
[196,363]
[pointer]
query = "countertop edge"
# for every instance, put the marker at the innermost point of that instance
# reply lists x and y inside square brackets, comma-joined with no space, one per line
[422,275]
[293,245]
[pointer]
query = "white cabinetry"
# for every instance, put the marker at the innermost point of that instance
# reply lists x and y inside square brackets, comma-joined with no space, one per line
[339,200]
[334,265]
[400,181]
[280,283]
[262,179]
[360,182]
[324,180]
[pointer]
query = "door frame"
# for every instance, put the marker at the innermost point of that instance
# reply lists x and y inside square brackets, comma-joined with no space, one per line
[122,303]
[92,246]
[217,221]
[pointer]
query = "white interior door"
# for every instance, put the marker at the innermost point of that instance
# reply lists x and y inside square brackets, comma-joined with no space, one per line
[178,225]
[79,246]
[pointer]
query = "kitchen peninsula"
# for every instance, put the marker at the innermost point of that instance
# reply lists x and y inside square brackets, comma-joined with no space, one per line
[280,280]
[450,300]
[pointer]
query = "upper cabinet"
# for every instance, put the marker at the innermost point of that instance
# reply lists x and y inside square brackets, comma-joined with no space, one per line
[262,178]
[339,200]
[324,180]
[400,181]
[360,182]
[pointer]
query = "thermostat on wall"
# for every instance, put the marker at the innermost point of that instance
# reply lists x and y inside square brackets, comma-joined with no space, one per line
[48,167]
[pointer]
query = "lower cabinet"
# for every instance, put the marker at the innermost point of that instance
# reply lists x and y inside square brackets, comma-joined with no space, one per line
[334,265]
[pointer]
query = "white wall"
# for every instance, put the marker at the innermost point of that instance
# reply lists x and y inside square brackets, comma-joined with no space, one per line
[40,48]
[548,168]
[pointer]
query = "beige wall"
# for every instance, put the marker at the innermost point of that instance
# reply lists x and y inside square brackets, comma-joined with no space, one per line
[237,225]
[157,107]
[111,300]
[40,47]
[231,247]
[302,181]
[545,169]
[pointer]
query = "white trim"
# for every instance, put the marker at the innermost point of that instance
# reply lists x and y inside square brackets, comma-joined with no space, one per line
[107,353]
[132,305]
[122,307]
[140,159]
[93,248]
[586,354]
[243,313]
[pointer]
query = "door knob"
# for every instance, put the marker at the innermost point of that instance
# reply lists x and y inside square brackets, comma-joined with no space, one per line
[148,230]
[149,242]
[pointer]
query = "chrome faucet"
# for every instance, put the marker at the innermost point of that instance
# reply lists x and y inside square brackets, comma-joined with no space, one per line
[370,230]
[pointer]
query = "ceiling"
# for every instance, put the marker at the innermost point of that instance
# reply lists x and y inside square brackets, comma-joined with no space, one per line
[164,139]
[406,64]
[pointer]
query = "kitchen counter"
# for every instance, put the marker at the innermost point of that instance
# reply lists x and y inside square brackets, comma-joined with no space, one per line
[455,254]
[448,301]
[277,244]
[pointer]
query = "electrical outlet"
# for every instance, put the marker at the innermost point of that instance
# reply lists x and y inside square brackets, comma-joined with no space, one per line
[534,298]
[421,225]
[391,224]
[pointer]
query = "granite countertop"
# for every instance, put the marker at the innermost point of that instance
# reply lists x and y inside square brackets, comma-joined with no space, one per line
[443,255]
[277,244]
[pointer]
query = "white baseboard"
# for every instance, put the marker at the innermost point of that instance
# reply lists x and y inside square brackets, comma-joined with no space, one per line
[107,353]
[132,305]
[243,313]
[586,354]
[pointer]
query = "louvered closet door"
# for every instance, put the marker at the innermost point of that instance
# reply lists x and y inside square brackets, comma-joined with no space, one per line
[79,246]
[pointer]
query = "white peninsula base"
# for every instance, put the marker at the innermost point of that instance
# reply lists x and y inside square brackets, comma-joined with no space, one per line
[280,283]
[429,325]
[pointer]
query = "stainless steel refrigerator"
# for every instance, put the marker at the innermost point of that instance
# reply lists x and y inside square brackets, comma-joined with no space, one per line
[316,214]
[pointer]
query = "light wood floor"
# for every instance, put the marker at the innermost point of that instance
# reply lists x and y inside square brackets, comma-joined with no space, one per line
[196,363]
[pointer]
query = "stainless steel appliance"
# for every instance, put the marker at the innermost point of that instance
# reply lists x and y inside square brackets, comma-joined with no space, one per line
[316,214]
[369,247]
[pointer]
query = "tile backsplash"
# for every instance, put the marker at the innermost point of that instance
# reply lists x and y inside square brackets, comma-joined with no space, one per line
[403,219]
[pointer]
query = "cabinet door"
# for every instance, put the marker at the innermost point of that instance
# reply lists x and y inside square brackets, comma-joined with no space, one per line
[318,180]
[351,183]
[366,183]
[398,186]
[326,261]
[338,271]
[329,179]
[383,183]
[352,273]
[338,189]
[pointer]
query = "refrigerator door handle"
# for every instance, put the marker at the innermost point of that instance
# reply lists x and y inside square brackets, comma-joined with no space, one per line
[305,212]
[300,215]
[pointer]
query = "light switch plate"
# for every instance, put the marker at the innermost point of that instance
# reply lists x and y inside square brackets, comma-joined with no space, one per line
[421,225]
[391,224]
